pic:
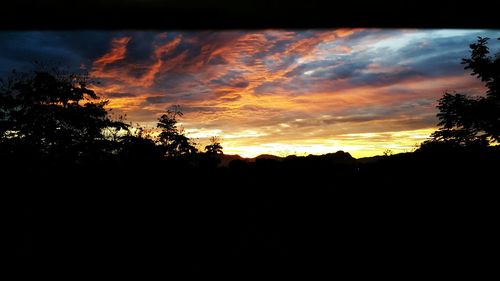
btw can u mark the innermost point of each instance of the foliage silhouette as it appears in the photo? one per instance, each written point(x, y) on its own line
point(472, 121)
point(53, 115)
point(171, 138)
point(214, 147)
point(138, 147)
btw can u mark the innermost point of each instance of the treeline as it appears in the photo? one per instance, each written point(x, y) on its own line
point(52, 120)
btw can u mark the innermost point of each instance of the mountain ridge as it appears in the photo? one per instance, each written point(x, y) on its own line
point(338, 156)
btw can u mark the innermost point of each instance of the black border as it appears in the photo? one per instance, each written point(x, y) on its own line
point(246, 14)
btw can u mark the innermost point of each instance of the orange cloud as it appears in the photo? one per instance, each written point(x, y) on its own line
point(147, 79)
point(117, 53)
point(296, 91)
point(105, 66)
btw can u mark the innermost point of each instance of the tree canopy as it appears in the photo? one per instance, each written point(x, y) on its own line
point(172, 139)
point(55, 117)
point(473, 120)
point(54, 114)
point(214, 147)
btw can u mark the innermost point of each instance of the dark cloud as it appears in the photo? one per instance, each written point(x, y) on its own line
point(68, 49)
point(202, 109)
point(381, 79)
point(173, 80)
point(232, 79)
point(216, 60)
point(141, 47)
point(175, 98)
point(23, 48)
point(267, 87)
point(158, 99)
point(241, 84)
point(342, 70)
point(136, 71)
point(120, 95)
point(423, 121)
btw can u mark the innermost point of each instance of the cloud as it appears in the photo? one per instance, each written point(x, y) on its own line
point(117, 53)
point(158, 99)
point(263, 89)
point(232, 79)
point(201, 109)
point(19, 49)
point(120, 95)
point(230, 98)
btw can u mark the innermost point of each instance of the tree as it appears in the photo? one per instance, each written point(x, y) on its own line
point(388, 152)
point(484, 66)
point(214, 147)
point(466, 120)
point(460, 120)
point(171, 138)
point(54, 115)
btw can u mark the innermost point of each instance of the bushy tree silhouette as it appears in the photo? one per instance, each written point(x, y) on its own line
point(54, 115)
point(172, 139)
point(50, 117)
point(214, 147)
point(472, 121)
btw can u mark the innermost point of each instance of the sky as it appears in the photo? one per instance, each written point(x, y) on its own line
point(275, 92)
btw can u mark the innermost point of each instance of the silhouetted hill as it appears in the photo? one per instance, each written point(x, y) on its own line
point(339, 157)
point(268, 156)
point(370, 159)
point(227, 158)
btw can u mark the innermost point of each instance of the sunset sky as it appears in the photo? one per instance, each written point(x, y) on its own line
point(270, 91)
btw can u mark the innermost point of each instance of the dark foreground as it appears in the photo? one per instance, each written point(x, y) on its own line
point(413, 212)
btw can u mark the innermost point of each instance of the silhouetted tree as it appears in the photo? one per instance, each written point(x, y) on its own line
point(214, 147)
point(484, 66)
point(388, 152)
point(171, 138)
point(54, 115)
point(459, 117)
point(467, 121)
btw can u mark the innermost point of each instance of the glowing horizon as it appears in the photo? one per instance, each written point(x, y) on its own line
point(275, 92)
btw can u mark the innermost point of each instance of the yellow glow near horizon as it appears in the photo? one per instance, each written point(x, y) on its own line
point(358, 145)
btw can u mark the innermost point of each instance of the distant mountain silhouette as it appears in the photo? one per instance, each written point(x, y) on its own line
point(227, 158)
point(339, 157)
point(269, 156)
point(370, 159)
